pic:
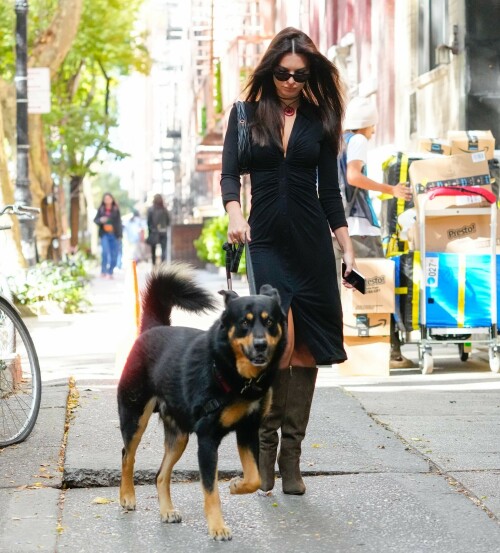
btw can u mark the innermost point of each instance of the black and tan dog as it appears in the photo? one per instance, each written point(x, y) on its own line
point(207, 382)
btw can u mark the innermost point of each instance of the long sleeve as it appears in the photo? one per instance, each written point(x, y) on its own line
point(97, 218)
point(230, 176)
point(328, 188)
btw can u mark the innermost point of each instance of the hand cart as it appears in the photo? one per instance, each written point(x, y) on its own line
point(459, 333)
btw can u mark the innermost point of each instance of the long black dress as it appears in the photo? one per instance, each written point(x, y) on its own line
point(295, 202)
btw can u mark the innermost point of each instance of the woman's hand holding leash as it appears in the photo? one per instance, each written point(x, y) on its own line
point(238, 231)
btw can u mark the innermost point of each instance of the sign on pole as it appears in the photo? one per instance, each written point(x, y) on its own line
point(38, 90)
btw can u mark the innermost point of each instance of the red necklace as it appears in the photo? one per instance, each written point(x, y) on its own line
point(288, 110)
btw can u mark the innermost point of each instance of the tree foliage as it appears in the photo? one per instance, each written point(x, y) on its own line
point(74, 137)
point(107, 182)
point(84, 108)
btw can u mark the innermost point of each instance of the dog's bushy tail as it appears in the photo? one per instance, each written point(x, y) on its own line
point(169, 286)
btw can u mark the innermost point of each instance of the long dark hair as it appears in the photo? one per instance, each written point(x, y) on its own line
point(324, 89)
point(158, 202)
point(114, 204)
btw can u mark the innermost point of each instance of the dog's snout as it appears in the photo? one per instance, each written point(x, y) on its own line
point(260, 344)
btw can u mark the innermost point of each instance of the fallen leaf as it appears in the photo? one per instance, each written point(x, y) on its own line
point(36, 486)
point(102, 501)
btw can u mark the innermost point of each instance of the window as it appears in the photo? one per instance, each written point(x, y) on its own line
point(432, 32)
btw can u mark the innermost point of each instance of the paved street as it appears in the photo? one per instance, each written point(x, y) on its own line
point(408, 463)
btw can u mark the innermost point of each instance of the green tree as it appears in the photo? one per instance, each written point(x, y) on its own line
point(107, 182)
point(53, 25)
point(70, 142)
point(106, 47)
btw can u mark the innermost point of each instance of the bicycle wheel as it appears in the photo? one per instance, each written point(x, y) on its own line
point(20, 380)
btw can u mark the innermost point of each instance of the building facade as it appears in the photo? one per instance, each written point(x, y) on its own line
point(430, 65)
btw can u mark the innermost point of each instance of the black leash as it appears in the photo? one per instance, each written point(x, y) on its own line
point(233, 257)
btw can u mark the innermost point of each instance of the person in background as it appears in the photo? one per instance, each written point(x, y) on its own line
point(109, 221)
point(364, 228)
point(119, 253)
point(294, 108)
point(134, 232)
point(158, 220)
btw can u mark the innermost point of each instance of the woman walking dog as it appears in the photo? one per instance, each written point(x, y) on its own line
point(294, 106)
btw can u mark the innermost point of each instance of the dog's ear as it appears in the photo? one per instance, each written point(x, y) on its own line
point(268, 290)
point(229, 295)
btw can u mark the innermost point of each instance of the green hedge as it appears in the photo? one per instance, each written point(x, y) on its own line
point(64, 284)
point(209, 244)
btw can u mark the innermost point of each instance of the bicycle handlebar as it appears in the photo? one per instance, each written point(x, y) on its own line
point(18, 209)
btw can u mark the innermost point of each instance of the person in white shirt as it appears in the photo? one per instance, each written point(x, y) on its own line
point(364, 228)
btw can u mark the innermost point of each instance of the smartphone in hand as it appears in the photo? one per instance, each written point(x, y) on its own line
point(354, 278)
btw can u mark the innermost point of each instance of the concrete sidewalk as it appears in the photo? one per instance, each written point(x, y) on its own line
point(405, 463)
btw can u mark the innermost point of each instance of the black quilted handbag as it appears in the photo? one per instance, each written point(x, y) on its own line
point(244, 146)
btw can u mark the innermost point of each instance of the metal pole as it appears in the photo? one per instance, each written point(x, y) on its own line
point(22, 192)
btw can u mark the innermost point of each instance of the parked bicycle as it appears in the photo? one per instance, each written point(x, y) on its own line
point(20, 379)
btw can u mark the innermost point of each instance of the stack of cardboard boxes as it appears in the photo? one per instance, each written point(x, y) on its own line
point(460, 142)
point(457, 269)
point(367, 320)
point(456, 232)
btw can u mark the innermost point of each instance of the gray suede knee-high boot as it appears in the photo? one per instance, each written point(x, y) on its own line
point(268, 432)
point(293, 428)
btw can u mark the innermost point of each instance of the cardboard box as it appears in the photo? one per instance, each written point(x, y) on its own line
point(366, 356)
point(461, 199)
point(471, 142)
point(454, 234)
point(379, 296)
point(440, 146)
point(450, 171)
point(367, 324)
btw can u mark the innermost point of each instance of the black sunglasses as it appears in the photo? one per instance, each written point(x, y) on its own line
point(285, 75)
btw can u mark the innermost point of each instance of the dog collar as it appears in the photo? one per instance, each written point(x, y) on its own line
point(220, 379)
point(250, 385)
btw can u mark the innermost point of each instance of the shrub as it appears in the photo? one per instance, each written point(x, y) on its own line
point(209, 244)
point(64, 284)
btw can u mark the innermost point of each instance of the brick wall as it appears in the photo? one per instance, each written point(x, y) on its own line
point(182, 244)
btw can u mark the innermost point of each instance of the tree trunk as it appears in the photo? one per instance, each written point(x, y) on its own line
point(75, 188)
point(50, 51)
point(7, 197)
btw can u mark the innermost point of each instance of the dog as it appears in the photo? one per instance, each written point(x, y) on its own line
point(205, 382)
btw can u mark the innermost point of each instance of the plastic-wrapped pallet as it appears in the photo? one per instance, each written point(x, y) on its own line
point(458, 289)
